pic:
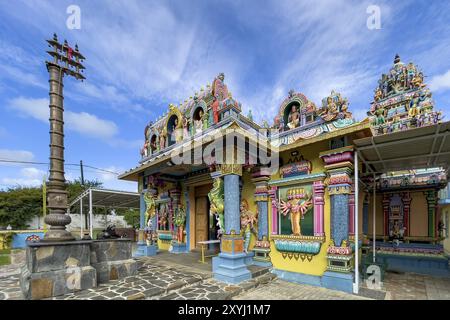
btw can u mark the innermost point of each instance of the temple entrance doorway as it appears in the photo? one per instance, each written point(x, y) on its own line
point(205, 222)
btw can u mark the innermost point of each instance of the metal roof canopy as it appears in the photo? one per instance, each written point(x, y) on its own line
point(106, 198)
point(417, 148)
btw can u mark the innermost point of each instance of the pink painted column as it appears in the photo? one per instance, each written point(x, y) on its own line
point(351, 210)
point(274, 201)
point(318, 201)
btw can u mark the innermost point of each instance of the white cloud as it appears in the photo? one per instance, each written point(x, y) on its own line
point(35, 108)
point(82, 122)
point(32, 173)
point(17, 155)
point(109, 176)
point(440, 82)
point(90, 125)
point(9, 73)
point(26, 177)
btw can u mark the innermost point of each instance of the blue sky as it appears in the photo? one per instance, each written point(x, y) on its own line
point(143, 55)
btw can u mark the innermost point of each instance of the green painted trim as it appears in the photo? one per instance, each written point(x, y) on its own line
point(296, 179)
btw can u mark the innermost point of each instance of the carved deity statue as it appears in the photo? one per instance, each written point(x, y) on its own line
point(298, 202)
point(150, 211)
point(199, 122)
point(216, 199)
point(378, 94)
point(417, 80)
point(144, 150)
point(220, 93)
point(177, 131)
point(162, 139)
point(414, 108)
point(249, 222)
point(294, 118)
point(179, 221)
point(185, 123)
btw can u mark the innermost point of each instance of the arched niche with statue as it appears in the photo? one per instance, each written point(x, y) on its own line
point(296, 111)
point(174, 125)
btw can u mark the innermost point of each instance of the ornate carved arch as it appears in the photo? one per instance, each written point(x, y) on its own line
point(200, 104)
point(294, 97)
point(173, 110)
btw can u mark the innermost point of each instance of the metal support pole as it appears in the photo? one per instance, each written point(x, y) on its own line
point(91, 215)
point(374, 217)
point(81, 218)
point(356, 286)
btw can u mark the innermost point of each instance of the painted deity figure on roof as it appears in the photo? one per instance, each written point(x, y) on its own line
point(220, 93)
point(294, 118)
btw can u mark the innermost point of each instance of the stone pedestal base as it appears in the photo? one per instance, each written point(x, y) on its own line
point(143, 250)
point(178, 247)
point(231, 268)
point(57, 268)
point(338, 281)
point(114, 270)
point(111, 259)
point(262, 257)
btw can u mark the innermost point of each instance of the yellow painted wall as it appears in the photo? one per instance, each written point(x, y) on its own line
point(419, 215)
point(163, 245)
point(317, 266)
point(378, 216)
point(248, 191)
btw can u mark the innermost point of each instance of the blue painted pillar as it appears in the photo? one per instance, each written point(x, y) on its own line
point(142, 207)
point(229, 266)
point(263, 224)
point(232, 210)
point(339, 166)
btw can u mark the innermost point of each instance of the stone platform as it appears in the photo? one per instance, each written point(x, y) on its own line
point(112, 259)
point(57, 268)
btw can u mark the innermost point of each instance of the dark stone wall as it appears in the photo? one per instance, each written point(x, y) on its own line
point(339, 218)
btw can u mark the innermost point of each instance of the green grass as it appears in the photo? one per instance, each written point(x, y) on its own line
point(5, 259)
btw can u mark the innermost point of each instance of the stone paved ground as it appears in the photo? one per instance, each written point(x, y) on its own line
point(283, 290)
point(9, 277)
point(410, 286)
point(168, 279)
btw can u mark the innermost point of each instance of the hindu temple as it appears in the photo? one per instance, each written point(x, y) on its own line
point(316, 196)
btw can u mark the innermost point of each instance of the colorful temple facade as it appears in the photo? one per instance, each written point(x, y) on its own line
point(286, 196)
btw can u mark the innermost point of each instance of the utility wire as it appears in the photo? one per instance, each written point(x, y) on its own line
point(68, 164)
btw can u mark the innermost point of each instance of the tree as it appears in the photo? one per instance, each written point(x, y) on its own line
point(132, 217)
point(19, 205)
point(75, 188)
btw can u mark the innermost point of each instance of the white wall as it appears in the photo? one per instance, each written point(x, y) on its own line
point(100, 221)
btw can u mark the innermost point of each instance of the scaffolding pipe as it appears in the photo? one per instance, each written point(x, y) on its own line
point(374, 196)
point(81, 218)
point(90, 215)
point(356, 285)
